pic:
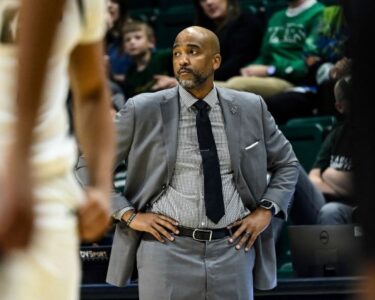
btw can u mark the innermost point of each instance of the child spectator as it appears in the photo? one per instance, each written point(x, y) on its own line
point(119, 61)
point(150, 69)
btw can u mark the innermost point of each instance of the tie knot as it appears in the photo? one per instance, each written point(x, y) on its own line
point(201, 105)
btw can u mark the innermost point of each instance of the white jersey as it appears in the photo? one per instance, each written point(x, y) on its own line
point(54, 152)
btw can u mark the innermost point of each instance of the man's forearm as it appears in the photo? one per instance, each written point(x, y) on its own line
point(93, 123)
point(95, 133)
point(38, 24)
point(316, 178)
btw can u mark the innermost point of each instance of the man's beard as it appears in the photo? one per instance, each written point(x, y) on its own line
point(198, 79)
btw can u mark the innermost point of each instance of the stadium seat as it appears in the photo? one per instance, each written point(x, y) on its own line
point(306, 141)
point(327, 122)
point(171, 21)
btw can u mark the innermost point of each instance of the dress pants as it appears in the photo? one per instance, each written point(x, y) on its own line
point(186, 269)
point(263, 86)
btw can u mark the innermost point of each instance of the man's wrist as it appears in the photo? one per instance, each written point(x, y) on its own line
point(269, 205)
point(131, 218)
point(126, 216)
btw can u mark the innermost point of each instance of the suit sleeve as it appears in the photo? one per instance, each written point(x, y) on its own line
point(281, 163)
point(124, 122)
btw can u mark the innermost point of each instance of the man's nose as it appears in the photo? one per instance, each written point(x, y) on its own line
point(184, 60)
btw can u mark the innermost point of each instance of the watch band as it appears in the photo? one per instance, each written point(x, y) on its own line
point(268, 205)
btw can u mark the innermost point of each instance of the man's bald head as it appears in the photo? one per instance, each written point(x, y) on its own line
point(196, 57)
point(202, 35)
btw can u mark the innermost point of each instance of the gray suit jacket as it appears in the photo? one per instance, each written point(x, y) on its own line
point(147, 138)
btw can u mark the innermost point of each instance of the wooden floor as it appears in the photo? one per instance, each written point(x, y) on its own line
point(322, 288)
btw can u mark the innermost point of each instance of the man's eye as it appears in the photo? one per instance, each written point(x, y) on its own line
point(176, 54)
point(193, 51)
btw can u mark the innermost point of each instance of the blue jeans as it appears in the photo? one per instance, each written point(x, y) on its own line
point(335, 213)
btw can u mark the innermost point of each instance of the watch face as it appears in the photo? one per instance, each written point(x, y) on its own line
point(266, 204)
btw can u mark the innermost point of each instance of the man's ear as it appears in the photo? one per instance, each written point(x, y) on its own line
point(216, 61)
point(339, 107)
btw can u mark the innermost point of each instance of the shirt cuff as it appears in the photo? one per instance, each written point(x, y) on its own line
point(118, 214)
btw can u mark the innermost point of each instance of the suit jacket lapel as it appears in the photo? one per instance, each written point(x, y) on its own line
point(170, 114)
point(232, 119)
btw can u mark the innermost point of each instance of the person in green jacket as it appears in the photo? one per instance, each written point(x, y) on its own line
point(281, 63)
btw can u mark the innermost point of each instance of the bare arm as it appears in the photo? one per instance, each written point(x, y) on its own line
point(38, 23)
point(340, 181)
point(315, 176)
point(95, 132)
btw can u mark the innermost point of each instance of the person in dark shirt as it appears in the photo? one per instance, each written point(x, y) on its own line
point(118, 60)
point(240, 33)
point(333, 170)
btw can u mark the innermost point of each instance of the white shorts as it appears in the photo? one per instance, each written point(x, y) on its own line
point(50, 267)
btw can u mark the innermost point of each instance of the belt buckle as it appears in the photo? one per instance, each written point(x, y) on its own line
point(202, 230)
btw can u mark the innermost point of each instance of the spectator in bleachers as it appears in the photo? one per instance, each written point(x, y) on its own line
point(119, 61)
point(150, 69)
point(332, 36)
point(333, 170)
point(281, 63)
point(239, 33)
point(327, 62)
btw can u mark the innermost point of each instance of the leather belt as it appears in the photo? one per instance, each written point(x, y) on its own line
point(204, 235)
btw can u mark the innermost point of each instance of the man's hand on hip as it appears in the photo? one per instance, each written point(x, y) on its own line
point(157, 225)
point(250, 227)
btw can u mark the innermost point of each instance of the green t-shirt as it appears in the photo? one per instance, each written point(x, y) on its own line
point(137, 82)
point(287, 40)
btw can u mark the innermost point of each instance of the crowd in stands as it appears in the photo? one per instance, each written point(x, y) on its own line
point(299, 62)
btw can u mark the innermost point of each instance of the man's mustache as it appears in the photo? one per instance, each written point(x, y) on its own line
point(184, 70)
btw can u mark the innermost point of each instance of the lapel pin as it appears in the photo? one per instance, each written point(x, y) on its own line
point(233, 109)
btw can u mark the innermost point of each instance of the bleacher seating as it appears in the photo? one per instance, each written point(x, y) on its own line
point(168, 17)
point(170, 21)
point(306, 141)
point(307, 135)
point(326, 122)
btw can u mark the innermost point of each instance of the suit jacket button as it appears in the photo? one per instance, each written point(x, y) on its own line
point(164, 186)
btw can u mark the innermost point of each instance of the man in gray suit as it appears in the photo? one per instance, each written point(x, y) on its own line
point(163, 218)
